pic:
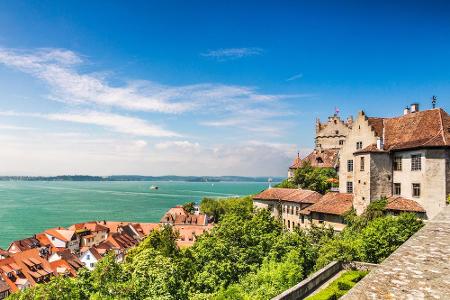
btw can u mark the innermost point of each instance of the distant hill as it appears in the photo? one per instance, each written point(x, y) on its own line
point(142, 178)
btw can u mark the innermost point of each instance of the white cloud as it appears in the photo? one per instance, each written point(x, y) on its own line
point(232, 53)
point(183, 145)
point(59, 69)
point(38, 153)
point(114, 122)
point(294, 77)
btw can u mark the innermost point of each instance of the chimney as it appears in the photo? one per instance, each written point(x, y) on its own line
point(414, 107)
point(350, 121)
point(406, 111)
point(380, 145)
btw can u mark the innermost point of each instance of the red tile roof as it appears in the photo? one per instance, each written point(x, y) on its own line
point(428, 128)
point(91, 226)
point(332, 203)
point(377, 125)
point(397, 203)
point(61, 233)
point(290, 195)
point(372, 148)
point(324, 158)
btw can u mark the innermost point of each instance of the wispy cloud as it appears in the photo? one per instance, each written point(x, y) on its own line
point(183, 145)
point(295, 77)
point(60, 70)
point(232, 53)
point(113, 122)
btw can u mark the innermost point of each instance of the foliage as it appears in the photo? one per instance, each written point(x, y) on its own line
point(369, 240)
point(247, 255)
point(287, 184)
point(217, 207)
point(271, 279)
point(189, 207)
point(310, 178)
point(340, 286)
point(233, 248)
point(163, 240)
point(375, 209)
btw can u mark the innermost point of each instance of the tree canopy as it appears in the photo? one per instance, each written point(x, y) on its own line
point(247, 255)
point(311, 178)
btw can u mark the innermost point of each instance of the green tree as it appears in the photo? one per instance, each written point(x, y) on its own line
point(236, 246)
point(217, 207)
point(189, 207)
point(311, 178)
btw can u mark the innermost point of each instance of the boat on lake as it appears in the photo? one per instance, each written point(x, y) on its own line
point(154, 187)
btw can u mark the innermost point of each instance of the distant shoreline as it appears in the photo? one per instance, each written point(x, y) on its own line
point(141, 178)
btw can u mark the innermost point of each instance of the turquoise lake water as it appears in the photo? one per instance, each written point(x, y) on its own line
point(28, 207)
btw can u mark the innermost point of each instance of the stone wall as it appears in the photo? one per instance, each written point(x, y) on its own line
point(329, 134)
point(433, 178)
point(380, 176)
point(310, 284)
point(361, 132)
point(418, 269)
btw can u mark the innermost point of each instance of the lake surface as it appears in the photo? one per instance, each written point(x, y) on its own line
point(28, 207)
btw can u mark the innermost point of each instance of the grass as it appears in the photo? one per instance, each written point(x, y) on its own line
point(340, 286)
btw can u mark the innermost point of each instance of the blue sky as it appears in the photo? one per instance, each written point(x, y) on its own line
point(204, 87)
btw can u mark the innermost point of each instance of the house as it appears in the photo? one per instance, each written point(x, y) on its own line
point(90, 233)
point(121, 243)
point(405, 156)
point(286, 203)
point(63, 238)
point(328, 211)
point(64, 262)
point(330, 137)
point(4, 289)
point(187, 234)
point(90, 258)
point(24, 269)
point(24, 244)
point(179, 216)
point(4, 254)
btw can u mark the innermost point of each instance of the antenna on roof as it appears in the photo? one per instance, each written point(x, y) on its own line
point(433, 101)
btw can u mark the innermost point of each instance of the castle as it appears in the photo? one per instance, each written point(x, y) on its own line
point(405, 159)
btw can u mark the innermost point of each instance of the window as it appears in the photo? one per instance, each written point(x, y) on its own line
point(397, 189)
point(289, 224)
point(88, 257)
point(303, 219)
point(416, 162)
point(362, 164)
point(337, 131)
point(341, 142)
point(358, 145)
point(350, 165)
point(397, 163)
point(92, 265)
point(416, 189)
point(349, 187)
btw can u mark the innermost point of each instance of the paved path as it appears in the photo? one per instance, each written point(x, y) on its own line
point(419, 269)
